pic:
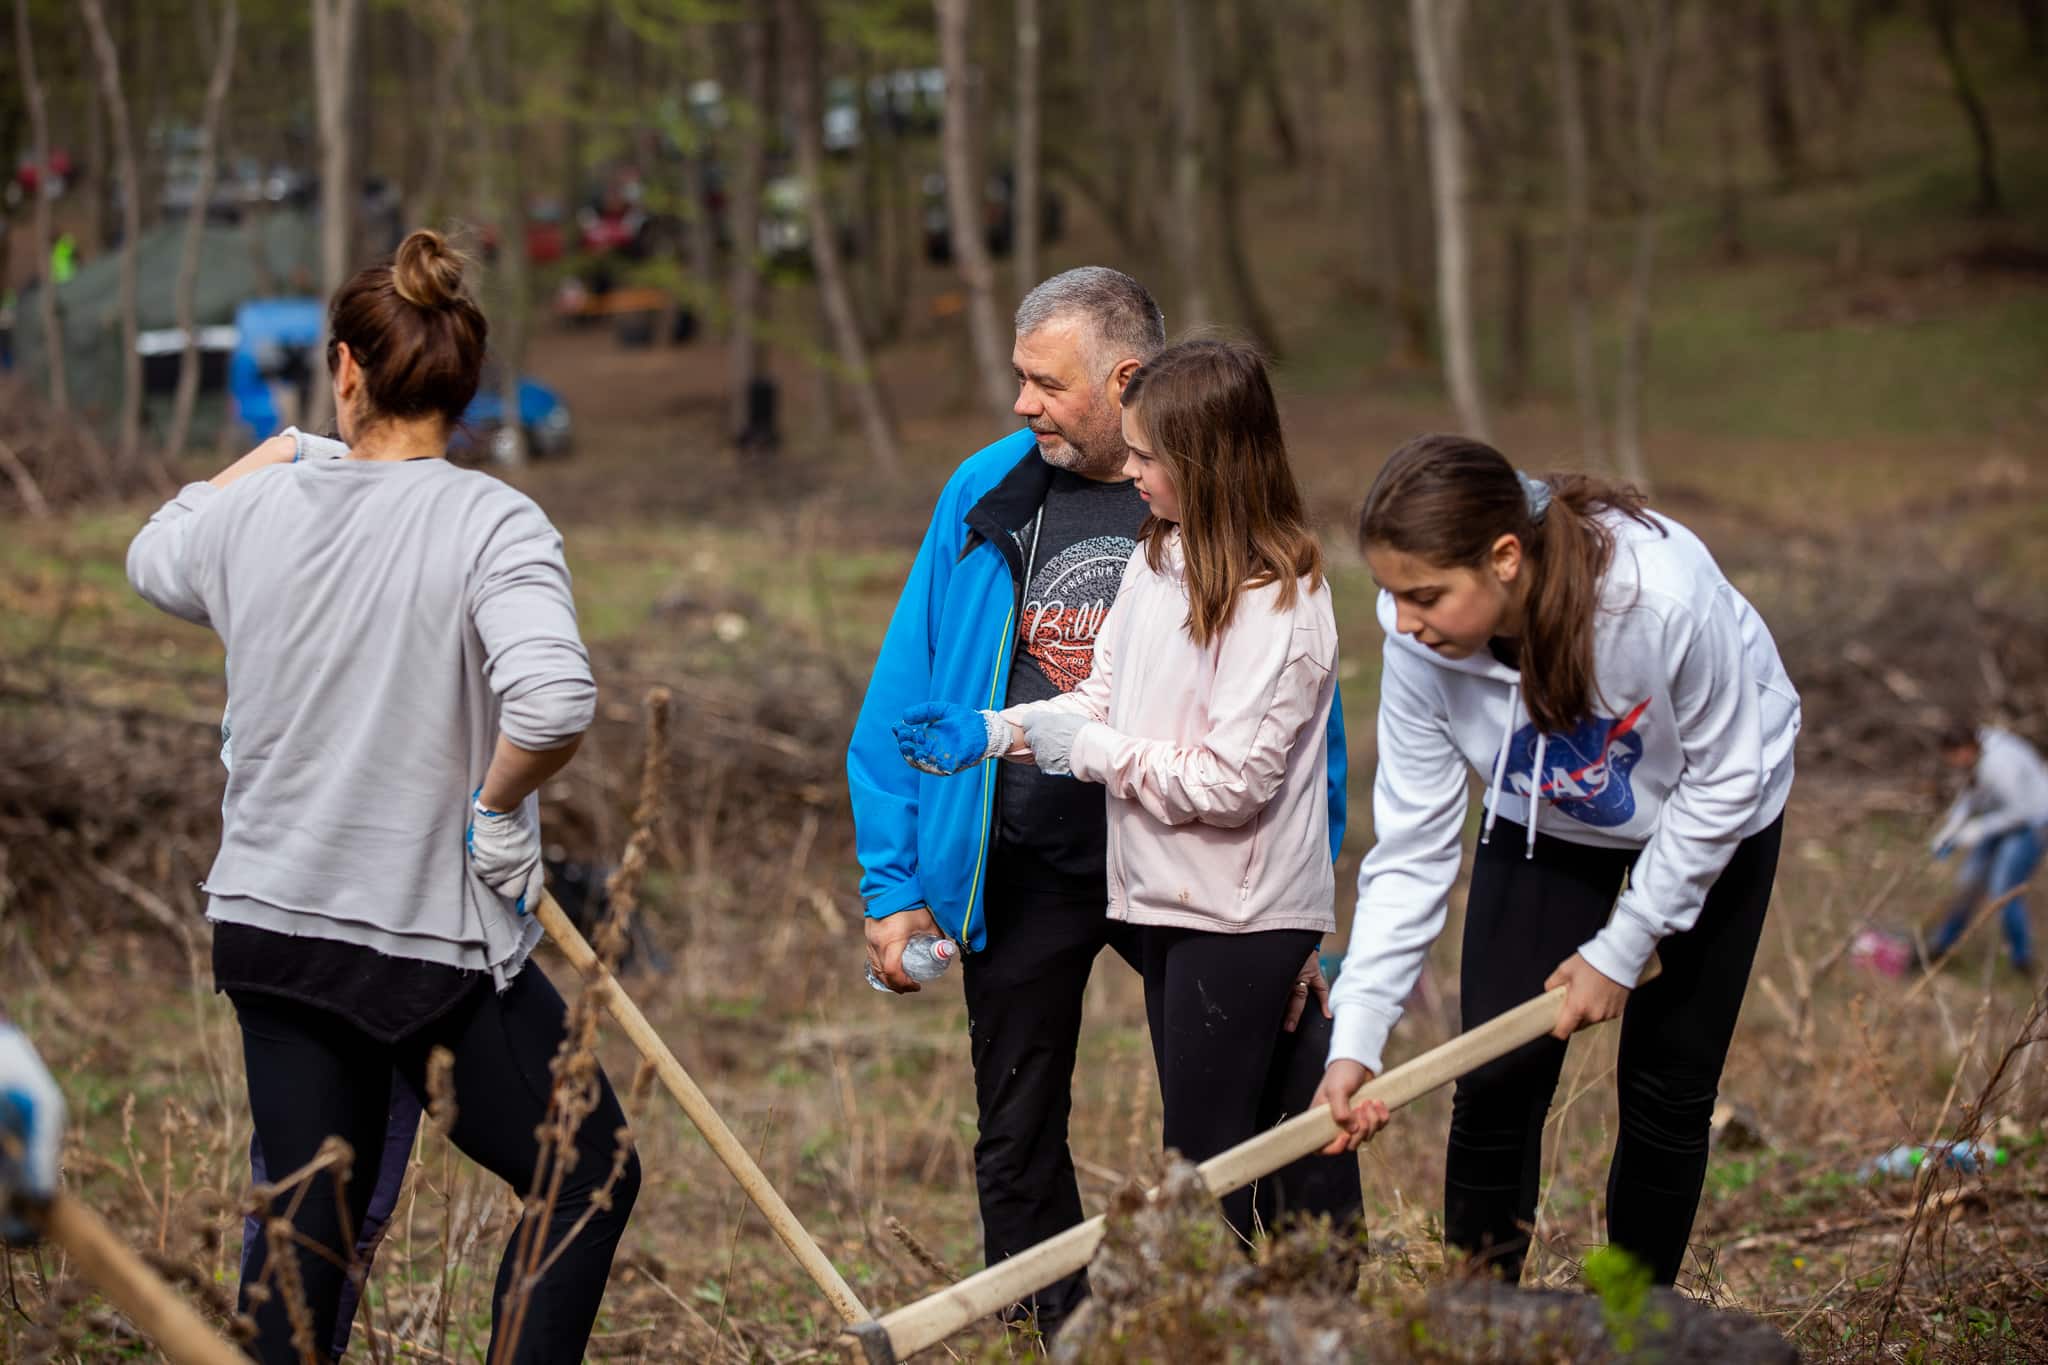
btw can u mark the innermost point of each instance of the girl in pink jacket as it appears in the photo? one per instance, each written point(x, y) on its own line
point(1204, 720)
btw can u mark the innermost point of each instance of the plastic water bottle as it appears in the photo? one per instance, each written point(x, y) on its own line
point(1967, 1157)
point(925, 958)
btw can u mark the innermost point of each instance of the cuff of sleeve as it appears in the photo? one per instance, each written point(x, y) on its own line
point(1621, 950)
point(550, 714)
point(1359, 1034)
point(905, 895)
point(1091, 756)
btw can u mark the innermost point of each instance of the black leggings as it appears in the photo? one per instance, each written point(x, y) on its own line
point(1227, 1070)
point(312, 1074)
point(1523, 918)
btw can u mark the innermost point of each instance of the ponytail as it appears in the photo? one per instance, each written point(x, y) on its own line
point(1447, 499)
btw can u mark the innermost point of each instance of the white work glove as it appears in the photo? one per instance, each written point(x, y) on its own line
point(1051, 737)
point(307, 446)
point(504, 850)
point(31, 1133)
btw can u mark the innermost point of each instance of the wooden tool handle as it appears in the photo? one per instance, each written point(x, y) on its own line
point(131, 1286)
point(934, 1318)
point(697, 1106)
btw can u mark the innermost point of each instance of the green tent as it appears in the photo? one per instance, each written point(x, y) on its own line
point(277, 254)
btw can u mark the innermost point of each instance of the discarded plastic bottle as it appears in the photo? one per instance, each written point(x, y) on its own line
point(925, 958)
point(1966, 1157)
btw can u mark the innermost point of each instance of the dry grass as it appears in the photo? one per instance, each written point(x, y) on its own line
point(756, 594)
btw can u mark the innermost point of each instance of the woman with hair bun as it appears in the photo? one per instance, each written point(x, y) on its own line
point(404, 671)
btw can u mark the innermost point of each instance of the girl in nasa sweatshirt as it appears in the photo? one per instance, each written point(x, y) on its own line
point(1628, 713)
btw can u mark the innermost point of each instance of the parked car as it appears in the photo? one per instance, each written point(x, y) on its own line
point(998, 222)
point(272, 370)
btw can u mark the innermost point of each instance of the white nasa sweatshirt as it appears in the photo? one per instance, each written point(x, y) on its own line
point(1688, 751)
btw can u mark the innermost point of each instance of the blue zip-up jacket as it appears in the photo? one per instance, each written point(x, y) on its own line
point(925, 840)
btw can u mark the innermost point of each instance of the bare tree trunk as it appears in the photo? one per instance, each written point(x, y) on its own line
point(1782, 133)
point(335, 27)
point(39, 133)
point(1729, 240)
point(1024, 203)
point(1439, 26)
point(1233, 77)
point(1578, 208)
point(108, 65)
point(798, 22)
point(964, 198)
point(195, 228)
point(452, 28)
point(750, 159)
point(1649, 26)
point(1401, 259)
point(504, 129)
point(1184, 223)
point(1990, 200)
point(2034, 23)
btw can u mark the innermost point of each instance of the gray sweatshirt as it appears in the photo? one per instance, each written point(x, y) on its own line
point(383, 623)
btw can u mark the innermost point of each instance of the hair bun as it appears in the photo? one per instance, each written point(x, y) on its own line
point(426, 271)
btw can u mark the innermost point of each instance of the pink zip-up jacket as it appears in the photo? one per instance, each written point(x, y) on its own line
point(1213, 758)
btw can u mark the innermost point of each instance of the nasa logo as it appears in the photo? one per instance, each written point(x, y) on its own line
point(1585, 770)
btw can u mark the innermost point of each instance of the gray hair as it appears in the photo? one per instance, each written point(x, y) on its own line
point(1121, 314)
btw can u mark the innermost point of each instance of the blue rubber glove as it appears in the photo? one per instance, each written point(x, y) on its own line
point(1051, 737)
point(1943, 849)
point(31, 1134)
point(944, 737)
point(504, 850)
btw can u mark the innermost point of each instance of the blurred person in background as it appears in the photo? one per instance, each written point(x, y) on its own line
point(1998, 822)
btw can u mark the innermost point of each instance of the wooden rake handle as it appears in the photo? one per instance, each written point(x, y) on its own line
point(697, 1107)
point(131, 1286)
point(932, 1319)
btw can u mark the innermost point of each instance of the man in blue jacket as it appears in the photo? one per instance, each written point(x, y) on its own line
point(1021, 562)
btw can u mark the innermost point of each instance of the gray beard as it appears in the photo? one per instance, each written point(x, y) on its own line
point(1105, 466)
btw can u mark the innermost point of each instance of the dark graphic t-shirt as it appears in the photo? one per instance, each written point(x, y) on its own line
point(1081, 545)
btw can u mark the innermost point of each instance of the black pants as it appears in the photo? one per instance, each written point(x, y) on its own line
point(1227, 1069)
point(1524, 917)
point(312, 1074)
point(1024, 995)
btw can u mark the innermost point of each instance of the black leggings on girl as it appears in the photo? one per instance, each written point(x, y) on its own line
point(1227, 1070)
point(1523, 918)
point(312, 1074)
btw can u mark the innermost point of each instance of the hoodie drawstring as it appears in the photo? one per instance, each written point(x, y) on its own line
point(1500, 762)
point(1500, 768)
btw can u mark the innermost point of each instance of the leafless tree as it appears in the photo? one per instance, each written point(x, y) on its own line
point(337, 26)
point(1990, 198)
point(501, 166)
point(1578, 201)
point(107, 65)
point(1184, 221)
point(1024, 203)
point(749, 162)
point(1438, 30)
point(964, 195)
point(798, 22)
point(1235, 73)
point(1649, 28)
point(39, 135)
point(1782, 133)
point(195, 224)
point(1401, 256)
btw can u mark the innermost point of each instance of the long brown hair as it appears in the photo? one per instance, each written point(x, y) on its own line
point(1447, 499)
point(1208, 410)
point(415, 332)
